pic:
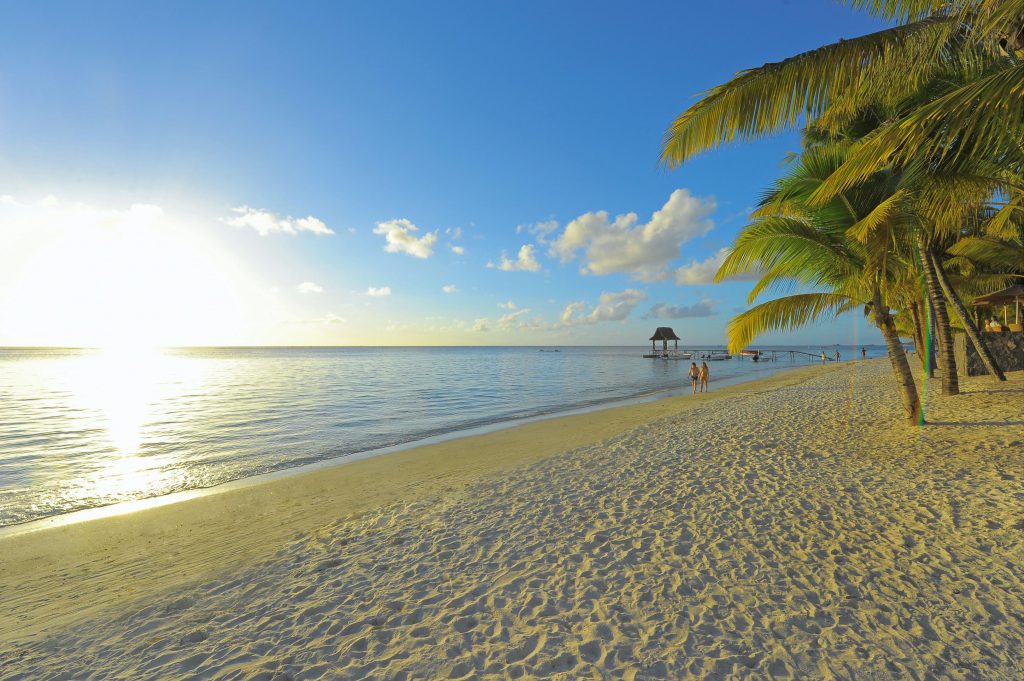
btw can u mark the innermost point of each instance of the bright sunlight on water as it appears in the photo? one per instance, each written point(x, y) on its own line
point(87, 428)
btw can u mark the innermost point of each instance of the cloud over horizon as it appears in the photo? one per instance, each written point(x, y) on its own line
point(308, 287)
point(643, 251)
point(610, 307)
point(399, 235)
point(266, 222)
point(525, 261)
point(705, 308)
point(381, 292)
point(703, 271)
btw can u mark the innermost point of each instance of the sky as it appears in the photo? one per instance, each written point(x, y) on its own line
point(379, 173)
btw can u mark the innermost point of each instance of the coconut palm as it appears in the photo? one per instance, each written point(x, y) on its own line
point(834, 82)
point(841, 255)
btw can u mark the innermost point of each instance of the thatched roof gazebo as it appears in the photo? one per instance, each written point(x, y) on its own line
point(1014, 295)
point(664, 334)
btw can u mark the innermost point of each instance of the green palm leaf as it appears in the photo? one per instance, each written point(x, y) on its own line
point(783, 314)
point(762, 101)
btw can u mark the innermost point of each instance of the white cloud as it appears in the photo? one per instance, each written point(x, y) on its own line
point(703, 271)
point(266, 222)
point(457, 250)
point(454, 232)
point(705, 308)
point(541, 230)
point(506, 321)
point(507, 305)
point(524, 262)
point(642, 250)
point(617, 306)
point(309, 287)
point(569, 314)
point(480, 325)
point(400, 239)
point(610, 307)
point(450, 288)
point(381, 292)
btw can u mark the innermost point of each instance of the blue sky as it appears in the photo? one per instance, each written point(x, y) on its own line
point(227, 125)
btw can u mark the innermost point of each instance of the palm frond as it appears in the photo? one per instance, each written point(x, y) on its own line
point(882, 212)
point(784, 314)
point(764, 100)
point(977, 119)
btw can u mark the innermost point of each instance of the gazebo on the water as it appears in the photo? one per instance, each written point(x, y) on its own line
point(664, 334)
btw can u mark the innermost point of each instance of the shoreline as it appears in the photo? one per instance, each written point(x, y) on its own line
point(189, 534)
point(793, 527)
point(136, 505)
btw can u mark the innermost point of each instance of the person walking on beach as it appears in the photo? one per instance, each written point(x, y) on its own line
point(823, 358)
point(837, 355)
point(863, 353)
point(694, 375)
point(704, 376)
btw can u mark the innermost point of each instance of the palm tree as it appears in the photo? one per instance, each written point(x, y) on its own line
point(851, 252)
point(830, 84)
point(961, 61)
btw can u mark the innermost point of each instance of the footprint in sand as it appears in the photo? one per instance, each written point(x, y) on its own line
point(524, 650)
point(197, 636)
point(591, 652)
point(465, 624)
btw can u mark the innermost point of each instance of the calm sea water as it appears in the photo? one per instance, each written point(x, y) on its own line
point(87, 428)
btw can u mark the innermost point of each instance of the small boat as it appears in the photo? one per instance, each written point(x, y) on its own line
point(553, 350)
point(715, 356)
point(754, 355)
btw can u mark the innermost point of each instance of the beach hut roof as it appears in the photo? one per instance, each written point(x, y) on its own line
point(1007, 295)
point(664, 333)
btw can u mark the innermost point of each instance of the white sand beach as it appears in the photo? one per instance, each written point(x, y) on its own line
point(792, 528)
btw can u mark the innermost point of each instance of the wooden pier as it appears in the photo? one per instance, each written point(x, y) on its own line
point(774, 355)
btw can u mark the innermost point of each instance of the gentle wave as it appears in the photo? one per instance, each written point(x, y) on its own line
point(85, 428)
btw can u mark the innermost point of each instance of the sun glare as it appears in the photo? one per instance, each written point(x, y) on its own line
point(119, 279)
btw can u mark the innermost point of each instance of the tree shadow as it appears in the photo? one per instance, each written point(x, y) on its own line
point(992, 392)
point(976, 423)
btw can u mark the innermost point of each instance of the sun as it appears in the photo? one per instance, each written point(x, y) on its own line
point(123, 279)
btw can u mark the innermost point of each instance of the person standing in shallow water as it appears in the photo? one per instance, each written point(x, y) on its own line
point(694, 375)
point(704, 376)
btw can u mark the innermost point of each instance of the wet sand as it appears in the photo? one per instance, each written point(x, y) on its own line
point(788, 528)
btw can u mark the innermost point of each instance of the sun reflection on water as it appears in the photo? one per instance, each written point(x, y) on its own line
point(127, 391)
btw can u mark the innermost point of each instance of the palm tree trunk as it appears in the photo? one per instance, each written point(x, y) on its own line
point(930, 325)
point(950, 383)
point(966, 320)
point(919, 344)
point(898, 359)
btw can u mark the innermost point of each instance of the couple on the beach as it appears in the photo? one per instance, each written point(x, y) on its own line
point(700, 375)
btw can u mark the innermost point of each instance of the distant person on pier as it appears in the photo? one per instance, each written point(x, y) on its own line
point(704, 376)
point(694, 376)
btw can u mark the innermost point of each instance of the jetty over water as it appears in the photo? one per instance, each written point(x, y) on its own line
point(774, 355)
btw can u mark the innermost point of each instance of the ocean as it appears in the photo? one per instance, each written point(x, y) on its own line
point(82, 428)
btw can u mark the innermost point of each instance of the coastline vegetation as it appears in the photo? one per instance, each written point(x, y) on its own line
point(907, 197)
